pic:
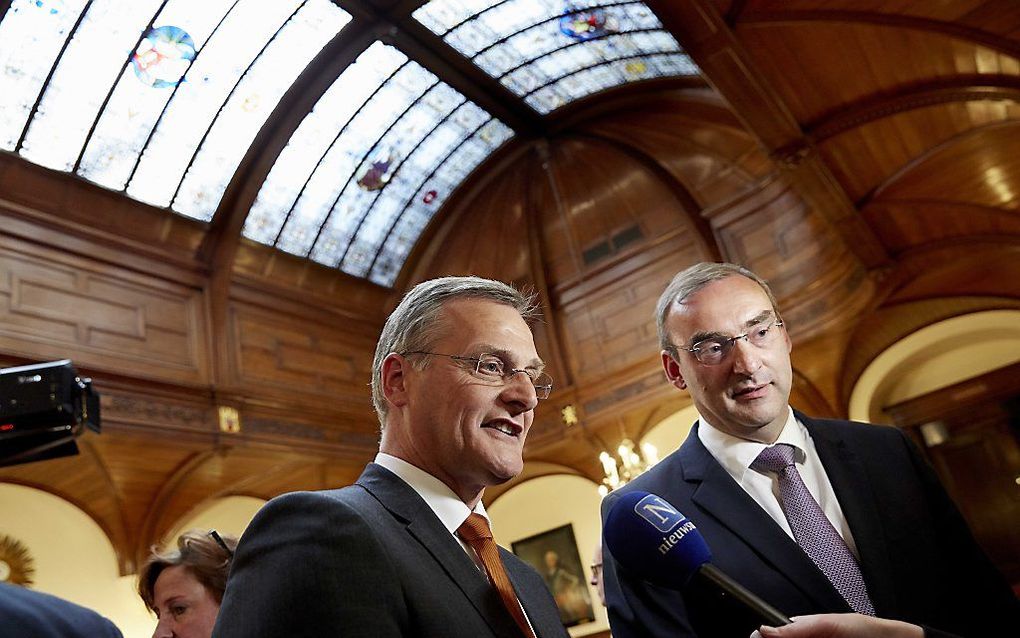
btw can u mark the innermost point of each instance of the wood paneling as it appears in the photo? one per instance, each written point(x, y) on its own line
point(53, 306)
point(868, 155)
point(284, 355)
point(851, 61)
point(981, 168)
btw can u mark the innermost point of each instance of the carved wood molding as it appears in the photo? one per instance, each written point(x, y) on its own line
point(879, 191)
point(879, 330)
point(964, 88)
point(1005, 45)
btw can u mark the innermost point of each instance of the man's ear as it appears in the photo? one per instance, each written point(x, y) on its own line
point(672, 369)
point(394, 379)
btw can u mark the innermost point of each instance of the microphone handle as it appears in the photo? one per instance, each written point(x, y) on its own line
point(769, 614)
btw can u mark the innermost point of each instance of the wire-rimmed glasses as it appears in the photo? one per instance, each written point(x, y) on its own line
point(494, 370)
point(714, 350)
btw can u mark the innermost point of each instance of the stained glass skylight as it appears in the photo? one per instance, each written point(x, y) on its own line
point(370, 165)
point(161, 99)
point(158, 98)
point(552, 52)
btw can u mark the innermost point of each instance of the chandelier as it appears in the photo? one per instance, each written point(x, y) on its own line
point(627, 465)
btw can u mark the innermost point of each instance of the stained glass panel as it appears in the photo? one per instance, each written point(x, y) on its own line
point(163, 98)
point(84, 73)
point(31, 35)
point(144, 90)
point(251, 102)
point(530, 45)
point(379, 138)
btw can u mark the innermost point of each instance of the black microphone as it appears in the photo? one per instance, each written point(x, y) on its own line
point(655, 542)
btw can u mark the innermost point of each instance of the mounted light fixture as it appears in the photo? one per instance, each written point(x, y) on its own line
point(627, 465)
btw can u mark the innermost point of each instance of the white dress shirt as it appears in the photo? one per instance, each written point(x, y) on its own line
point(736, 456)
point(448, 507)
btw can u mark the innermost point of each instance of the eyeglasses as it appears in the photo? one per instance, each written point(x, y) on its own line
point(714, 350)
point(495, 371)
point(219, 541)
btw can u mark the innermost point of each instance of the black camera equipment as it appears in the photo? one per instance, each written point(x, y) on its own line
point(43, 408)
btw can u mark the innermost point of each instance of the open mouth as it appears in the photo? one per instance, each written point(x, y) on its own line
point(508, 428)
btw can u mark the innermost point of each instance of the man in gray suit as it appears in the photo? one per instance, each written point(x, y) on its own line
point(406, 550)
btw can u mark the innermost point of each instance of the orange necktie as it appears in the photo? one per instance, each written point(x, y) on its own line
point(475, 532)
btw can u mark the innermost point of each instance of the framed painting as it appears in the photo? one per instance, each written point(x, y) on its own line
point(554, 555)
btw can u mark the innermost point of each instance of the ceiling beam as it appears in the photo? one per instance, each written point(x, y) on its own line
point(219, 248)
point(714, 47)
point(951, 29)
point(963, 88)
point(411, 37)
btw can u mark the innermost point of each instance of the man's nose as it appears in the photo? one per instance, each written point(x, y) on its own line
point(520, 389)
point(746, 356)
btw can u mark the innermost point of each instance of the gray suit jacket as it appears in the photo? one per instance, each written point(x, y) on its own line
point(368, 560)
point(918, 558)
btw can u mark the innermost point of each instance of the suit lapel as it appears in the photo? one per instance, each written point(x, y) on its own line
point(854, 491)
point(719, 496)
point(424, 527)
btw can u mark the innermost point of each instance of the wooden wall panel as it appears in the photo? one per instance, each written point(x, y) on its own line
point(613, 328)
point(714, 162)
point(53, 306)
point(299, 360)
point(65, 202)
point(808, 265)
point(982, 167)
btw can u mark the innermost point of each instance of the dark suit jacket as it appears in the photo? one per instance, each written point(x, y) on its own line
point(368, 560)
point(30, 614)
point(918, 559)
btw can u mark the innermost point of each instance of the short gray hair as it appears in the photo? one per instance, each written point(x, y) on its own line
point(691, 280)
point(415, 323)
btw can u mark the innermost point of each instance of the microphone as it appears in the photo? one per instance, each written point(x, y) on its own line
point(655, 542)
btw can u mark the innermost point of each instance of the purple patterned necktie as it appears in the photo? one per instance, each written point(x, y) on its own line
point(813, 531)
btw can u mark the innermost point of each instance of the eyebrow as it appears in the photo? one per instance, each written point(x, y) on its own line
point(753, 321)
point(506, 355)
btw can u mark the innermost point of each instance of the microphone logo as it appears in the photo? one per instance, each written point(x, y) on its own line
point(658, 513)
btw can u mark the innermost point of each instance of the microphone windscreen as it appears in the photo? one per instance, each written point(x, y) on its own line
point(652, 540)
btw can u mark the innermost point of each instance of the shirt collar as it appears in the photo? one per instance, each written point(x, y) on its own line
point(450, 510)
point(736, 454)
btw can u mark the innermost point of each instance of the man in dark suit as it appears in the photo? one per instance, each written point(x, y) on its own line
point(30, 614)
point(814, 516)
point(406, 551)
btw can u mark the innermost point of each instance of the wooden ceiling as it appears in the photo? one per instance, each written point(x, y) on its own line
point(863, 156)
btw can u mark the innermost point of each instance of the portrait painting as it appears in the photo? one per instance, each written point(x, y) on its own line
point(554, 555)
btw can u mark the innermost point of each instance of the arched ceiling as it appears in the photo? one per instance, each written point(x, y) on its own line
point(861, 155)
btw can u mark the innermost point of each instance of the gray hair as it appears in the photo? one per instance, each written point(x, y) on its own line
point(415, 323)
point(691, 280)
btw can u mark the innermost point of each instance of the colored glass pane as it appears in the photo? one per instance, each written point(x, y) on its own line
point(532, 45)
point(362, 162)
point(31, 36)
